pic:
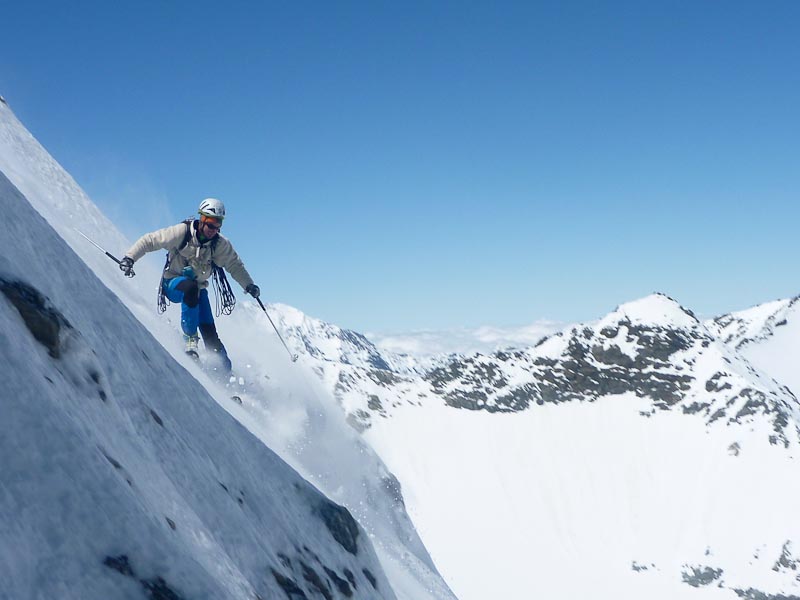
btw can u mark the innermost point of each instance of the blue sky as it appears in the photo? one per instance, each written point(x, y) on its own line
point(398, 166)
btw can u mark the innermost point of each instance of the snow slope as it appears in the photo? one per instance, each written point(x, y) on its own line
point(284, 407)
point(121, 474)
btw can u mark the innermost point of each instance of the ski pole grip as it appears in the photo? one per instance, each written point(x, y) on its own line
point(119, 262)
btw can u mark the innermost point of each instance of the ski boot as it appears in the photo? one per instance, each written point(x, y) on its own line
point(190, 345)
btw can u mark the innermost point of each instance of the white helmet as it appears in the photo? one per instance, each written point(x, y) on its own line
point(211, 207)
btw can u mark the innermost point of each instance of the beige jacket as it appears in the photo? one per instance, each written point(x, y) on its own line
point(198, 256)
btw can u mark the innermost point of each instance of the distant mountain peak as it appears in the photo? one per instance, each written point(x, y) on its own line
point(656, 309)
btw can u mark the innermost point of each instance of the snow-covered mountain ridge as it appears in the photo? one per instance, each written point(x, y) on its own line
point(652, 347)
point(754, 324)
point(768, 336)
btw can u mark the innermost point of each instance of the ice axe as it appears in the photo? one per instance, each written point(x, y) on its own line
point(280, 337)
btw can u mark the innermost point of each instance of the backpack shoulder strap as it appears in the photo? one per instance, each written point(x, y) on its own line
point(188, 235)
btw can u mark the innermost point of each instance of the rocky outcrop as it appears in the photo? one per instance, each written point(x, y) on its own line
point(45, 323)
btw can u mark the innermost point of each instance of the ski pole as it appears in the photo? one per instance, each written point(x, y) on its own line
point(103, 250)
point(280, 337)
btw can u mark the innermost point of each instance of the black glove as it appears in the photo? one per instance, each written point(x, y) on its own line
point(253, 290)
point(126, 266)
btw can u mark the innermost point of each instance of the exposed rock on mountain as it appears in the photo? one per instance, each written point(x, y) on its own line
point(653, 348)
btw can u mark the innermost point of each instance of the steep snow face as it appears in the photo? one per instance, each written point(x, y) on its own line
point(284, 405)
point(121, 476)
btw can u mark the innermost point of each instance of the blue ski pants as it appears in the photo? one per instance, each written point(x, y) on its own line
point(196, 314)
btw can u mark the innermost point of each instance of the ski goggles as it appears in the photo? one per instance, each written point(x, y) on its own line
point(213, 224)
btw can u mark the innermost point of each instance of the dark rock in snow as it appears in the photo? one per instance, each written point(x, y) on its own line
point(351, 578)
point(120, 564)
point(315, 581)
point(375, 403)
point(786, 562)
point(640, 567)
point(370, 577)
point(715, 384)
point(341, 584)
point(115, 463)
point(753, 594)
point(341, 524)
point(156, 418)
point(289, 586)
point(701, 576)
point(156, 588)
point(43, 321)
point(159, 590)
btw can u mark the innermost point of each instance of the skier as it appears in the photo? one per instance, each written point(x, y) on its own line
point(195, 247)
